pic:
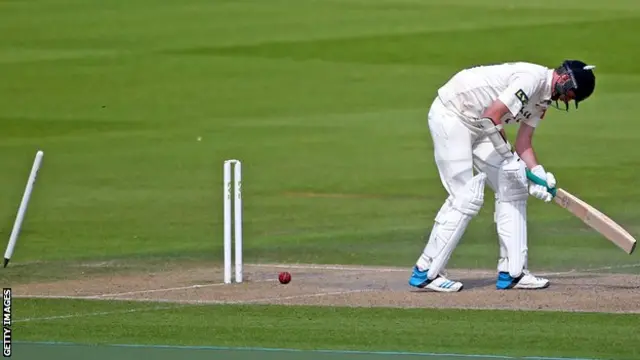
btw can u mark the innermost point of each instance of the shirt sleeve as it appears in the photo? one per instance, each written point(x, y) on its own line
point(517, 94)
point(535, 118)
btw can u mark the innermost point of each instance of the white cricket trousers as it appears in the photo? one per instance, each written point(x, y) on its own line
point(458, 151)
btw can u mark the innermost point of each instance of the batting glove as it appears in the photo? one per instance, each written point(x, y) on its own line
point(539, 191)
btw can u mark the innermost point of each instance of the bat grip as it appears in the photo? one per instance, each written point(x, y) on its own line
point(536, 180)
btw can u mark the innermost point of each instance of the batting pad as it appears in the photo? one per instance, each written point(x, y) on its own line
point(511, 221)
point(451, 224)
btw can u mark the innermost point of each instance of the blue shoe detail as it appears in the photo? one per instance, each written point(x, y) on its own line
point(506, 281)
point(419, 278)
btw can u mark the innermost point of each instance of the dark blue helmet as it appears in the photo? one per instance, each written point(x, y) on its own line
point(581, 80)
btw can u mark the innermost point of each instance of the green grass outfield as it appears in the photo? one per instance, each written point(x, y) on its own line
point(325, 103)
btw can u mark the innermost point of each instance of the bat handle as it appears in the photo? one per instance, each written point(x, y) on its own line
point(536, 180)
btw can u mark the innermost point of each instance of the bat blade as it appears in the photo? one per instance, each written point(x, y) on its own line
point(596, 220)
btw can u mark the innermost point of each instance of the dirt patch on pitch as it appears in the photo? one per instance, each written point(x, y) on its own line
point(350, 286)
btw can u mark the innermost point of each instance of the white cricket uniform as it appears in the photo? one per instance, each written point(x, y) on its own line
point(460, 146)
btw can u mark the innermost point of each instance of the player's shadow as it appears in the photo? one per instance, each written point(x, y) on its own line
point(470, 284)
point(478, 283)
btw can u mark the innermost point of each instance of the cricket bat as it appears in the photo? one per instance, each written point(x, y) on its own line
point(590, 216)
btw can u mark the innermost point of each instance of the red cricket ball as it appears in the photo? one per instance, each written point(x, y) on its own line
point(284, 277)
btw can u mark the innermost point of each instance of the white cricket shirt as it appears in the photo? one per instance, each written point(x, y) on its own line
point(525, 88)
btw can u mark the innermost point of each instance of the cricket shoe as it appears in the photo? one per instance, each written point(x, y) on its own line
point(441, 284)
point(524, 281)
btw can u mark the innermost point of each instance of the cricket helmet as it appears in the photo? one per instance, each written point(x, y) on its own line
point(581, 80)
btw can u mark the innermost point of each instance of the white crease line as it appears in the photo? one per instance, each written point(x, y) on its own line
point(60, 317)
point(328, 267)
point(62, 297)
point(100, 296)
point(577, 271)
point(309, 295)
point(152, 291)
point(77, 297)
point(169, 289)
point(613, 267)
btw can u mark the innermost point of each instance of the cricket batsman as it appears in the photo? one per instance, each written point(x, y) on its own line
point(466, 123)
